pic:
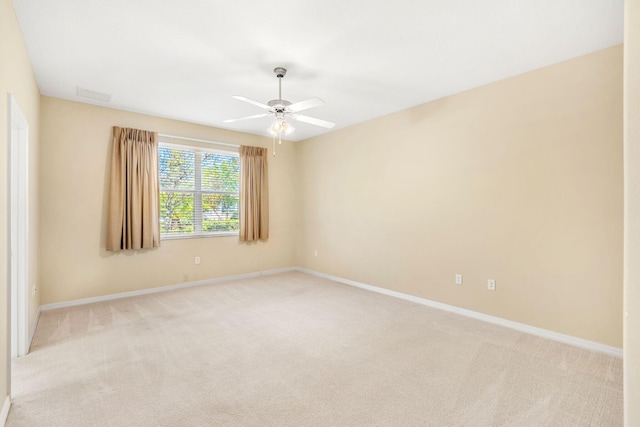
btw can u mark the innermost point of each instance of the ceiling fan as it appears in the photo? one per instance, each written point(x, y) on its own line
point(282, 109)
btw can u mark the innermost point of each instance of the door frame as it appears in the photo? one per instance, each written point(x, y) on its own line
point(18, 259)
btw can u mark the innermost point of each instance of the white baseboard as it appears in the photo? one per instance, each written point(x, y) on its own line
point(5, 411)
point(533, 330)
point(544, 333)
point(33, 330)
point(83, 301)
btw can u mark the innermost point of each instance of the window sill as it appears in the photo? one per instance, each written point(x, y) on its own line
point(198, 236)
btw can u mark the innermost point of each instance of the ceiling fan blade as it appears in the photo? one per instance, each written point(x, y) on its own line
point(255, 116)
point(251, 101)
point(305, 105)
point(313, 121)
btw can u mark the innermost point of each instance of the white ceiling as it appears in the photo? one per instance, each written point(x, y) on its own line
point(365, 59)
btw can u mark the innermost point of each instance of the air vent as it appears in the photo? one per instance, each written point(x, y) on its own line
point(91, 94)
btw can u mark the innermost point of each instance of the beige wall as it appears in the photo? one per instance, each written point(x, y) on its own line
point(518, 181)
point(16, 77)
point(632, 213)
point(75, 148)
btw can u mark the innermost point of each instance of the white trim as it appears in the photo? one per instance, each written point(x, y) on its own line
point(198, 236)
point(83, 301)
point(18, 244)
point(544, 333)
point(5, 410)
point(33, 330)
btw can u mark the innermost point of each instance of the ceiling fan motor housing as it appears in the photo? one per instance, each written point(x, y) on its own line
point(279, 105)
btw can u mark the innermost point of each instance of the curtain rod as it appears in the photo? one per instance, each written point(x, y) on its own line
point(197, 140)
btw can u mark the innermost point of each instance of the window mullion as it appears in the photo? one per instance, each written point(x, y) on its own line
point(197, 197)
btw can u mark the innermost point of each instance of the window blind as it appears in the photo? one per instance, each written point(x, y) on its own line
point(198, 191)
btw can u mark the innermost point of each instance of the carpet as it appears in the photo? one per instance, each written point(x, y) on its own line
point(296, 350)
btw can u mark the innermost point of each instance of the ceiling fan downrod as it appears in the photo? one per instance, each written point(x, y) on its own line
point(280, 73)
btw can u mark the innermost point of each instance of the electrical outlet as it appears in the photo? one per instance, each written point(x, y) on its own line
point(491, 285)
point(458, 279)
point(197, 260)
point(315, 252)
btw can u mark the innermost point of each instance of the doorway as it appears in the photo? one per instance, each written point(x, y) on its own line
point(18, 229)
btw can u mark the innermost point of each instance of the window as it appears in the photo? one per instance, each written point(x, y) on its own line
point(198, 191)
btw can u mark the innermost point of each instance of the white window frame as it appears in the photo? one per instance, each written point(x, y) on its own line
point(198, 191)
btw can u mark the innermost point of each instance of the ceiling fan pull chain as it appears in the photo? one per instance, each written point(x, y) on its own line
point(274, 145)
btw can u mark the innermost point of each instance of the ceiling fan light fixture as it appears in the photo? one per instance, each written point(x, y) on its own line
point(287, 128)
point(277, 126)
point(283, 109)
point(280, 126)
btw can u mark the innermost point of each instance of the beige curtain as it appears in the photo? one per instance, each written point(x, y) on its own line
point(254, 194)
point(134, 199)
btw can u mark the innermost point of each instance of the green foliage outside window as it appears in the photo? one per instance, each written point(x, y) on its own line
point(198, 191)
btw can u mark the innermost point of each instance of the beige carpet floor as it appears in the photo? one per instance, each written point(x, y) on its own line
point(297, 350)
